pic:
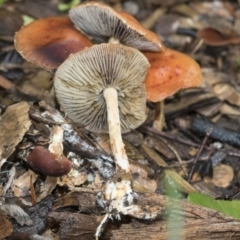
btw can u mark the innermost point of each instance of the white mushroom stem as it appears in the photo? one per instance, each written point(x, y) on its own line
point(111, 97)
point(113, 40)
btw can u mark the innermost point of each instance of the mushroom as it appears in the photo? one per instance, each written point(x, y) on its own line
point(102, 87)
point(170, 72)
point(213, 37)
point(43, 161)
point(51, 161)
point(105, 24)
point(48, 42)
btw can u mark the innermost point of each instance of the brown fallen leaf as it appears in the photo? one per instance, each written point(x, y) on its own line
point(48, 186)
point(22, 185)
point(14, 124)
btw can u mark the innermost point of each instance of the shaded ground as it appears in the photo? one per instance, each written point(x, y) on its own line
point(197, 151)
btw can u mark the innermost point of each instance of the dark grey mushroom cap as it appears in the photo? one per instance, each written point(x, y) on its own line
point(102, 22)
point(81, 79)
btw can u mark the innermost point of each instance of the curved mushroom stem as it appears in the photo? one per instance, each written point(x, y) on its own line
point(111, 97)
point(159, 121)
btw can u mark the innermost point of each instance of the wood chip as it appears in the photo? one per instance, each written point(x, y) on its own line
point(5, 226)
point(17, 213)
point(227, 92)
point(222, 175)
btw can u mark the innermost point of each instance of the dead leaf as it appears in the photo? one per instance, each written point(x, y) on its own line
point(15, 122)
point(48, 186)
point(22, 185)
point(17, 213)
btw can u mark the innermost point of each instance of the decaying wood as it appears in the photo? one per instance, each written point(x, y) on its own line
point(37, 214)
point(173, 218)
point(194, 222)
point(76, 226)
point(85, 201)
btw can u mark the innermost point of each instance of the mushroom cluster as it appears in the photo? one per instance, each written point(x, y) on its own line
point(105, 87)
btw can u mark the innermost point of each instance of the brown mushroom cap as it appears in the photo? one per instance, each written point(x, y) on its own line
point(81, 80)
point(213, 37)
point(102, 22)
point(48, 42)
point(170, 71)
point(43, 161)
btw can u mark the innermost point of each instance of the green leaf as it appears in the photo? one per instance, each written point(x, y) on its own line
point(2, 1)
point(27, 19)
point(230, 208)
point(238, 62)
point(66, 6)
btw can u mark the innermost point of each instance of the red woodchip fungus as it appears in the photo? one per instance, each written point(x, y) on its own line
point(51, 161)
point(170, 72)
point(102, 87)
point(105, 24)
point(48, 42)
point(43, 161)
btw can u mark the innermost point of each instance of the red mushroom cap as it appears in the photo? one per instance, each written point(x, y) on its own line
point(103, 22)
point(43, 161)
point(48, 42)
point(170, 71)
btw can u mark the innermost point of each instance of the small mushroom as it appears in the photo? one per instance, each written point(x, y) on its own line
point(43, 161)
point(105, 24)
point(48, 42)
point(102, 87)
point(213, 37)
point(51, 161)
point(170, 72)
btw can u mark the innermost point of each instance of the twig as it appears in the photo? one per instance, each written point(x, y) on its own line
point(153, 132)
point(7, 38)
point(177, 156)
point(6, 84)
point(157, 134)
point(199, 152)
